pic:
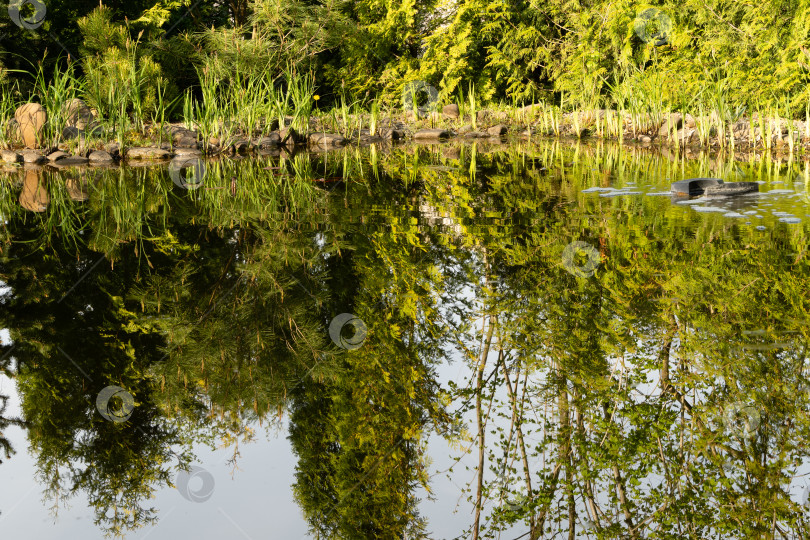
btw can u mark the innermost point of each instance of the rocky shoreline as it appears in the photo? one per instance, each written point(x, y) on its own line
point(83, 140)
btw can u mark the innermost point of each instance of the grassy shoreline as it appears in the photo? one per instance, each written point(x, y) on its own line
point(230, 116)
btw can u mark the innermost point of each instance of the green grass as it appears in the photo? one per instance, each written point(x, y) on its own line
point(8, 104)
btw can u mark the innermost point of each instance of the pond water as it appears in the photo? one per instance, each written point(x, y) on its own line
point(531, 340)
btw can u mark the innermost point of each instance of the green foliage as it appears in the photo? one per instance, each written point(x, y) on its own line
point(120, 77)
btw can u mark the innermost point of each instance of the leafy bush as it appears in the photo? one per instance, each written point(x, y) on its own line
point(120, 77)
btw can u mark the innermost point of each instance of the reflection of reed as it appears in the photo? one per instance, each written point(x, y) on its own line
point(123, 201)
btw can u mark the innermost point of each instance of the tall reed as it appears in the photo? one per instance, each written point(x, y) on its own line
point(55, 96)
point(473, 110)
point(8, 104)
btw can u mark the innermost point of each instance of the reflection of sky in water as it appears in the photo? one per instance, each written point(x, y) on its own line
point(254, 501)
point(772, 205)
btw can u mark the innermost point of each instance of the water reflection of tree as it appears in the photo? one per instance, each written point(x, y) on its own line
point(360, 435)
point(219, 323)
point(605, 460)
point(190, 322)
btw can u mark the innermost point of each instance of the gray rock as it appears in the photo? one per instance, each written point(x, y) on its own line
point(113, 148)
point(182, 137)
point(147, 153)
point(731, 188)
point(645, 139)
point(690, 121)
point(33, 157)
point(185, 142)
point(99, 156)
point(187, 152)
point(56, 156)
point(476, 135)
point(431, 134)
point(392, 134)
point(71, 132)
point(421, 112)
point(241, 146)
point(10, 157)
point(529, 110)
point(497, 131)
point(451, 111)
point(675, 121)
point(273, 140)
point(289, 136)
point(71, 161)
point(327, 140)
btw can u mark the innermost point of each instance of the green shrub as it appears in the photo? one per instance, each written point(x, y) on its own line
point(120, 76)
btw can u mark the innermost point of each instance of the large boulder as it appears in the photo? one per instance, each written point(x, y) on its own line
point(31, 119)
point(34, 196)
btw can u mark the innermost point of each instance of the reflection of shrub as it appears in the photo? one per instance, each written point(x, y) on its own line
point(119, 77)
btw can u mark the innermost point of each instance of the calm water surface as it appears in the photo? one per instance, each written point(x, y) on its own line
point(530, 340)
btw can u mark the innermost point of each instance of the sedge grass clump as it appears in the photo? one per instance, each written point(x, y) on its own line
point(473, 109)
point(8, 104)
point(375, 117)
point(55, 96)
